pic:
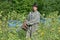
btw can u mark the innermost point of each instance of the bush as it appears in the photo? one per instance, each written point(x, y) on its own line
point(49, 28)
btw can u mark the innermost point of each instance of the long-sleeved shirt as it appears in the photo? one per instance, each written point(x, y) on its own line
point(33, 17)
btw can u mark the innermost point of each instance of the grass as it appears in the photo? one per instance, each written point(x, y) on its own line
point(49, 30)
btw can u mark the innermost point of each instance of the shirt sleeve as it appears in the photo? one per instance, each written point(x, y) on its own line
point(35, 20)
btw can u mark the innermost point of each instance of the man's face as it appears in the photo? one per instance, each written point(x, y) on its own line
point(34, 8)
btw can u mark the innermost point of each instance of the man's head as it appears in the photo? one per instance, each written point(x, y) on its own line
point(35, 7)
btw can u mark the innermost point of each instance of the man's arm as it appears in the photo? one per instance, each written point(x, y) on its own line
point(27, 19)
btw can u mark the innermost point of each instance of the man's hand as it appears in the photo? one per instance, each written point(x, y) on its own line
point(24, 26)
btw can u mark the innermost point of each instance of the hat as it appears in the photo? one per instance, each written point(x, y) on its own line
point(35, 5)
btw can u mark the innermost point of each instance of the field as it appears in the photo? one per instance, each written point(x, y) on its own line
point(49, 27)
point(14, 12)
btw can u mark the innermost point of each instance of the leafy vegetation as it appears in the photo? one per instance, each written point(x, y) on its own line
point(49, 27)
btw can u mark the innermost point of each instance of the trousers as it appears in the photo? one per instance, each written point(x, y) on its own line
point(31, 30)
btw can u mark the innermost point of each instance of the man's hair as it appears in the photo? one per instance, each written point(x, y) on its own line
point(35, 5)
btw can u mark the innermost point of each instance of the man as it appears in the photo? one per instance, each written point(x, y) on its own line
point(32, 21)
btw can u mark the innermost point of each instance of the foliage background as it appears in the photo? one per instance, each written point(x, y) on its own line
point(19, 9)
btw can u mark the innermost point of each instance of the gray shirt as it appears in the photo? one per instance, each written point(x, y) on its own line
point(33, 17)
